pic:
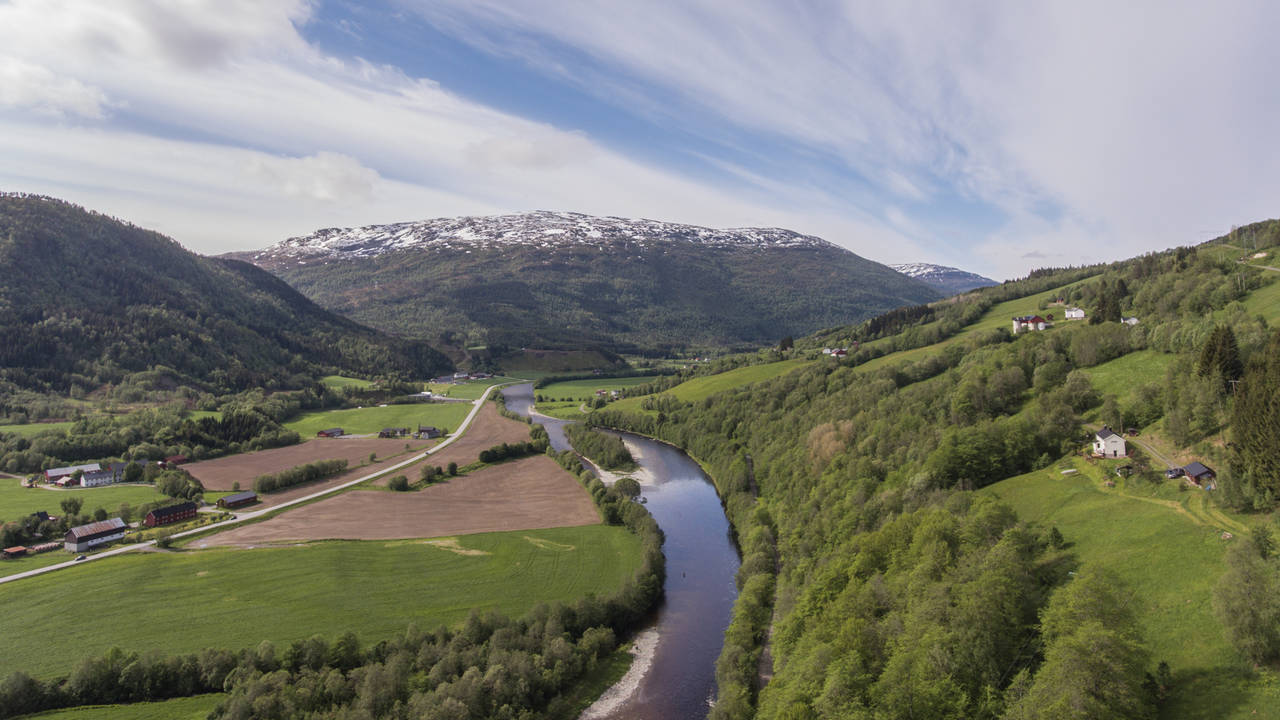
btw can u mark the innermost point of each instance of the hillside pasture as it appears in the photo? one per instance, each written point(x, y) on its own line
point(1120, 376)
point(534, 492)
point(196, 707)
point(705, 386)
point(586, 389)
point(179, 602)
point(340, 382)
point(1168, 546)
point(363, 421)
point(33, 429)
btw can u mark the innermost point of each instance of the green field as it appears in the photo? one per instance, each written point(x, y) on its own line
point(17, 501)
point(1265, 301)
point(1168, 547)
point(359, 421)
point(703, 387)
point(1118, 377)
point(184, 601)
point(339, 382)
point(586, 389)
point(31, 429)
point(189, 708)
point(471, 389)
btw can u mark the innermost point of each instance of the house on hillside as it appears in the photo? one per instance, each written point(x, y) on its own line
point(79, 539)
point(98, 478)
point(1130, 321)
point(1107, 443)
point(331, 433)
point(240, 499)
point(1200, 474)
point(170, 514)
point(1074, 313)
point(1027, 323)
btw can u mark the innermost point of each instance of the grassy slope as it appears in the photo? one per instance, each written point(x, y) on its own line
point(189, 708)
point(372, 419)
point(1168, 547)
point(340, 381)
point(701, 387)
point(17, 501)
point(586, 389)
point(1118, 377)
point(184, 601)
point(31, 429)
point(471, 389)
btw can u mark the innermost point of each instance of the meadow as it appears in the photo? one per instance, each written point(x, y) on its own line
point(471, 389)
point(17, 501)
point(1168, 546)
point(196, 707)
point(700, 388)
point(586, 389)
point(1120, 376)
point(31, 429)
point(339, 382)
point(187, 600)
point(360, 421)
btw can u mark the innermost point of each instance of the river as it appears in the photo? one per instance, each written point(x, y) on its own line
point(699, 591)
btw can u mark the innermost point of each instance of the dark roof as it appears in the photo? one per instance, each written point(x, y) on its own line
point(245, 496)
point(1105, 433)
point(1197, 469)
point(103, 527)
point(167, 510)
point(332, 431)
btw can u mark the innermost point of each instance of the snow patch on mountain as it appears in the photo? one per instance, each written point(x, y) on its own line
point(541, 229)
point(947, 279)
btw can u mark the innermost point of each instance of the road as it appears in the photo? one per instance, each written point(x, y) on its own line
point(244, 517)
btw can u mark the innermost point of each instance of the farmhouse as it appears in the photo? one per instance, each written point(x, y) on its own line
point(239, 499)
point(79, 539)
point(56, 474)
point(1028, 323)
point(1200, 473)
point(1074, 313)
point(1108, 444)
point(393, 432)
point(97, 478)
point(170, 514)
point(331, 433)
point(429, 432)
point(175, 460)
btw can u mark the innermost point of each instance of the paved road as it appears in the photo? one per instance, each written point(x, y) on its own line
point(243, 517)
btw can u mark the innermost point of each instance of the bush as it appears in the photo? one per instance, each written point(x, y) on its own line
point(298, 475)
point(399, 483)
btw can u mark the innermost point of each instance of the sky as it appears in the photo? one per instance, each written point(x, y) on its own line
point(998, 136)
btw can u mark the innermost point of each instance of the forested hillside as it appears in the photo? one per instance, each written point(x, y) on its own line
point(86, 300)
point(893, 593)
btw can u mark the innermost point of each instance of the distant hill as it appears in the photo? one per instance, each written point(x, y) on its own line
point(948, 280)
point(569, 280)
point(86, 299)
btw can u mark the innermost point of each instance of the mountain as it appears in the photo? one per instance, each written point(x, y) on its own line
point(949, 280)
point(569, 280)
point(87, 300)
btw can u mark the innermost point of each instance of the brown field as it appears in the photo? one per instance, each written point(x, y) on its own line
point(219, 474)
point(522, 495)
point(488, 428)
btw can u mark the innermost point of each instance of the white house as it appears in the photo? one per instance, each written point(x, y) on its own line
point(1108, 444)
point(1129, 320)
point(1074, 313)
point(97, 478)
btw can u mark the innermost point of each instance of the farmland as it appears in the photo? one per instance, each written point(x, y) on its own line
point(1169, 550)
point(189, 708)
point(586, 389)
point(17, 501)
point(361, 421)
point(31, 429)
point(221, 473)
point(470, 389)
point(184, 601)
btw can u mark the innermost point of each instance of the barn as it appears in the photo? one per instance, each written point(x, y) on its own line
point(170, 514)
point(79, 539)
point(248, 497)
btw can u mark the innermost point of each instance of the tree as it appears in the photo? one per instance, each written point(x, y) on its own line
point(373, 457)
point(133, 473)
point(628, 487)
point(125, 511)
point(71, 506)
point(1220, 356)
point(453, 469)
point(1255, 430)
point(100, 514)
point(1247, 602)
point(399, 483)
point(787, 343)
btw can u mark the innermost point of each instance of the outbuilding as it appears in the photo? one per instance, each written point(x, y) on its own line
point(331, 433)
point(79, 539)
point(55, 474)
point(14, 552)
point(248, 497)
point(170, 514)
point(1200, 473)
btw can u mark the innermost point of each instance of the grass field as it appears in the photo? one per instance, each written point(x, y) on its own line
point(183, 601)
point(1118, 377)
point(471, 389)
point(17, 501)
point(189, 708)
point(586, 389)
point(702, 387)
point(339, 382)
point(31, 429)
point(1265, 300)
point(1168, 547)
point(359, 421)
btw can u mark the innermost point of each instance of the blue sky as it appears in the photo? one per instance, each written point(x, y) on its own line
point(997, 138)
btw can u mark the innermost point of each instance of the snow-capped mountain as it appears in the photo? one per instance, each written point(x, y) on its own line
point(949, 280)
point(536, 230)
point(567, 280)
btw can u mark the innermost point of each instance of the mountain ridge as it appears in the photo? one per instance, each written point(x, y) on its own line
point(950, 280)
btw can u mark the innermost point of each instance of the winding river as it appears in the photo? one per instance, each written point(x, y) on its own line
point(701, 562)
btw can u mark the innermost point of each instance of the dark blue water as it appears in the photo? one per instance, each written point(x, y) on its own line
point(701, 563)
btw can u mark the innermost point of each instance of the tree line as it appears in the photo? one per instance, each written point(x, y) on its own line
point(285, 479)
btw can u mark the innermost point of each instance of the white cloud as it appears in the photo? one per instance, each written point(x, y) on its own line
point(24, 85)
point(323, 177)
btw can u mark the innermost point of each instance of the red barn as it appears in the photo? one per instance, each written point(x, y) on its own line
point(170, 514)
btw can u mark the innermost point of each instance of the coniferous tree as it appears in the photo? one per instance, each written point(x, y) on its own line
point(1255, 429)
